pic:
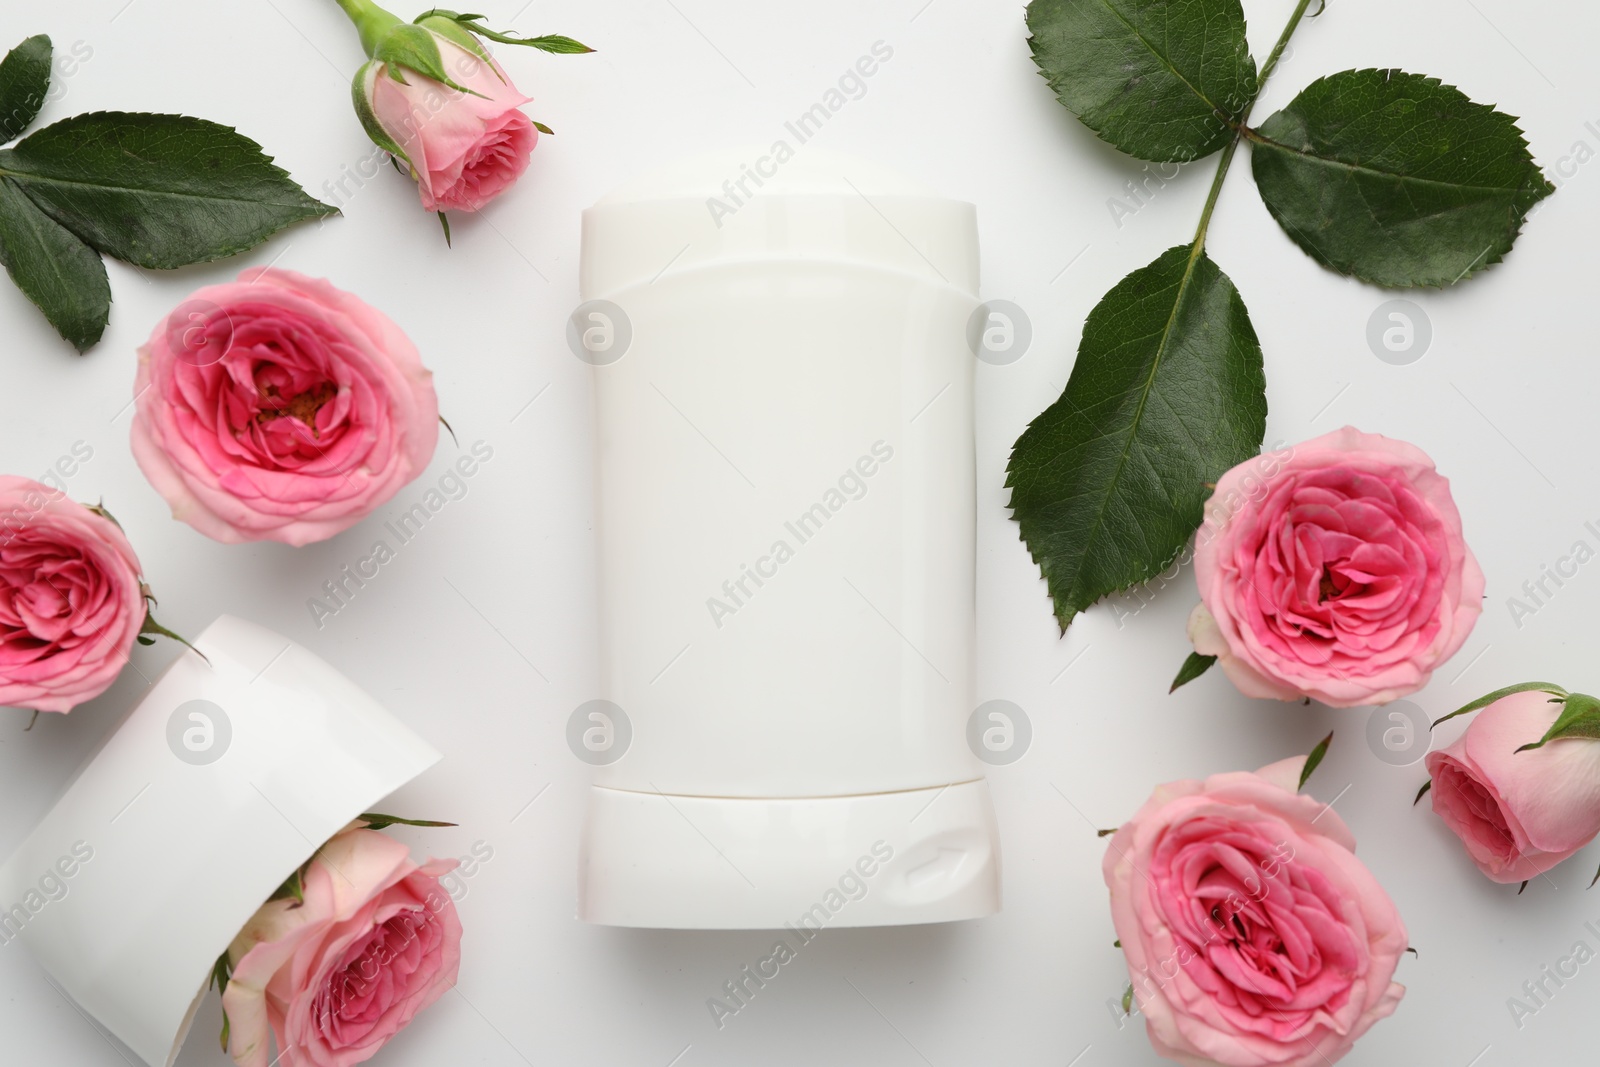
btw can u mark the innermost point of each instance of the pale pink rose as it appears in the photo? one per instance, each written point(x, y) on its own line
point(336, 977)
point(1518, 813)
point(464, 150)
point(71, 603)
point(280, 408)
point(1335, 571)
point(1253, 935)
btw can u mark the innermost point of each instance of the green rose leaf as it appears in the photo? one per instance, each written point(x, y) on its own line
point(1167, 393)
point(58, 272)
point(1160, 79)
point(157, 190)
point(24, 81)
point(1395, 178)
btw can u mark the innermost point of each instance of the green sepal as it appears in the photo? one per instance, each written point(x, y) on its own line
point(375, 821)
point(150, 626)
point(1104, 833)
point(1314, 760)
point(411, 47)
point(474, 22)
point(542, 128)
point(293, 887)
point(1193, 667)
point(360, 95)
point(1521, 687)
point(1580, 717)
point(444, 224)
point(221, 975)
point(456, 34)
point(1127, 1000)
point(1422, 792)
point(552, 42)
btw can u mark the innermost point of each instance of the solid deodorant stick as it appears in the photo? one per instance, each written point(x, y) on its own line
point(785, 518)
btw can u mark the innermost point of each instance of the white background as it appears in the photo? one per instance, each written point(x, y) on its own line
point(480, 633)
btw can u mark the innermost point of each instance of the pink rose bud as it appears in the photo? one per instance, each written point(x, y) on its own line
point(435, 99)
point(71, 602)
point(1253, 935)
point(335, 975)
point(280, 408)
point(1520, 791)
point(1334, 570)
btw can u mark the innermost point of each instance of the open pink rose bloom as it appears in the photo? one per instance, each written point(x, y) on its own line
point(1253, 935)
point(1518, 813)
point(333, 979)
point(70, 598)
point(280, 408)
point(1336, 571)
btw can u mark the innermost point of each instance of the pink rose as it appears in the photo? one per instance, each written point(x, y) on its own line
point(464, 150)
point(1335, 571)
point(71, 603)
point(280, 408)
point(1253, 934)
point(376, 941)
point(1518, 813)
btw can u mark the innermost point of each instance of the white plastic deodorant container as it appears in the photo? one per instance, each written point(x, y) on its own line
point(785, 521)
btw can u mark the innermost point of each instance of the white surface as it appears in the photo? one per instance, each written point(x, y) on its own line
point(481, 632)
point(281, 752)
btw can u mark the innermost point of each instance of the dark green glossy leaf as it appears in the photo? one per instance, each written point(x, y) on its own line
point(1395, 178)
point(24, 82)
point(1160, 79)
point(1314, 760)
point(1193, 667)
point(58, 272)
point(157, 190)
point(1167, 393)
